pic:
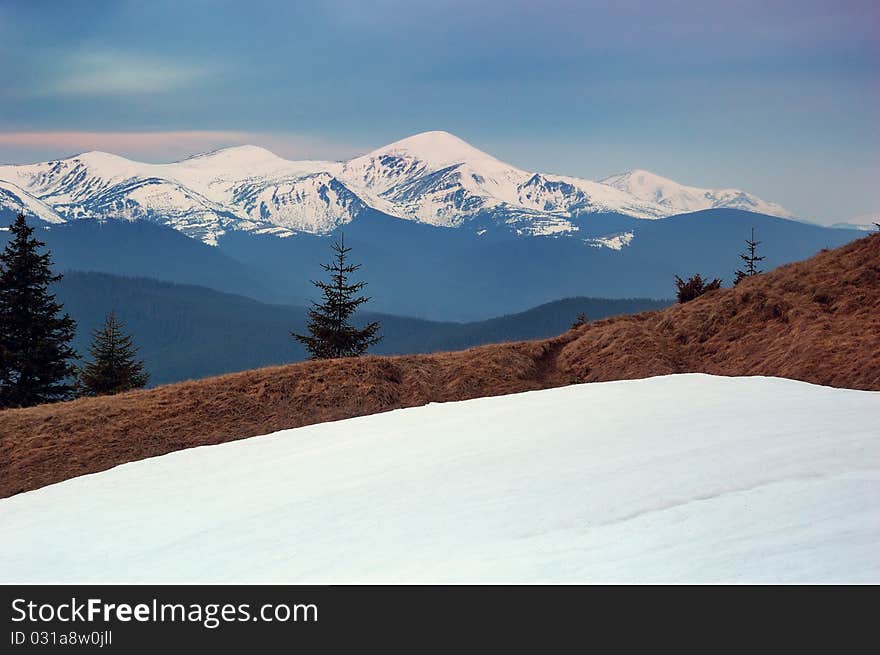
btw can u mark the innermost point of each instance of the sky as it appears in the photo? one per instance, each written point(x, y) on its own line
point(777, 98)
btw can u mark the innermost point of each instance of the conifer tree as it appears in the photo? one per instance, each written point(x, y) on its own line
point(35, 354)
point(751, 258)
point(331, 333)
point(694, 287)
point(113, 368)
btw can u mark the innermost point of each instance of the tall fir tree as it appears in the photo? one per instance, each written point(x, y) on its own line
point(114, 367)
point(751, 259)
point(36, 360)
point(331, 333)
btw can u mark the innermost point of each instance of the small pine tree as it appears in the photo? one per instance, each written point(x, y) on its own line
point(579, 321)
point(113, 368)
point(751, 258)
point(35, 354)
point(694, 287)
point(330, 332)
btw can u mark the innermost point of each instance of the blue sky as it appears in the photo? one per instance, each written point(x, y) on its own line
point(779, 98)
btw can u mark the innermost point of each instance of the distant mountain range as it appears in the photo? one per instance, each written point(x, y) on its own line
point(444, 231)
point(446, 274)
point(187, 331)
point(433, 178)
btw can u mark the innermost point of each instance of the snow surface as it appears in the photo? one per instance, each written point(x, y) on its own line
point(433, 177)
point(685, 478)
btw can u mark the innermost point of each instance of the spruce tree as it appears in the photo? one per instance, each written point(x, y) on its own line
point(113, 368)
point(694, 287)
point(35, 354)
point(331, 333)
point(751, 258)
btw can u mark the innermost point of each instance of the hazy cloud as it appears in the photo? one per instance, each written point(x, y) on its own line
point(775, 97)
point(106, 73)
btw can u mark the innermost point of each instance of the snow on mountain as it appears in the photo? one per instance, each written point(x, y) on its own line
point(679, 198)
point(195, 196)
point(67, 182)
point(866, 223)
point(316, 202)
point(433, 178)
point(435, 150)
point(161, 201)
point(576, 484)
point(218, 173)
point(615, 241)
point(437, 178)
point(14, 199)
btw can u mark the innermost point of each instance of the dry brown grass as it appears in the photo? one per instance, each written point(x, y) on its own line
point(817, 321)
point(50, 443)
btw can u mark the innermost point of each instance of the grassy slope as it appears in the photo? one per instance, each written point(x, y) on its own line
point(817, 321)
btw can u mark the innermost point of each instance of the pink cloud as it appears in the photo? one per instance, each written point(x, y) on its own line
point(164, 146)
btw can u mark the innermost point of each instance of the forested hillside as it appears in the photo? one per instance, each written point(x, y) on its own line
point(187, 331)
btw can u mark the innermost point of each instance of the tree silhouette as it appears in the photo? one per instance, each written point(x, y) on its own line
point(114, 368)
point(331, 333)
point(35, 354)
point(751, 259)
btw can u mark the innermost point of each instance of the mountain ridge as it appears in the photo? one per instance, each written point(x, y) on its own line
point(650, 186)
point(432, 177)
point(417, 269)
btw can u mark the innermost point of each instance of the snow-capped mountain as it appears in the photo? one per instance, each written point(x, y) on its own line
point(433, 177)
point(437, 178)
point(679, 198)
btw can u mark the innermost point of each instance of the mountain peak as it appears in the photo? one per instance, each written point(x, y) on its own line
point(100, 157)
point(239, 154)
point(637, 176)
point(436, 148)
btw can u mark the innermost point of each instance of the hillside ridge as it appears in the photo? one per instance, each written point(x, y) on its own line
point(817, 321)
